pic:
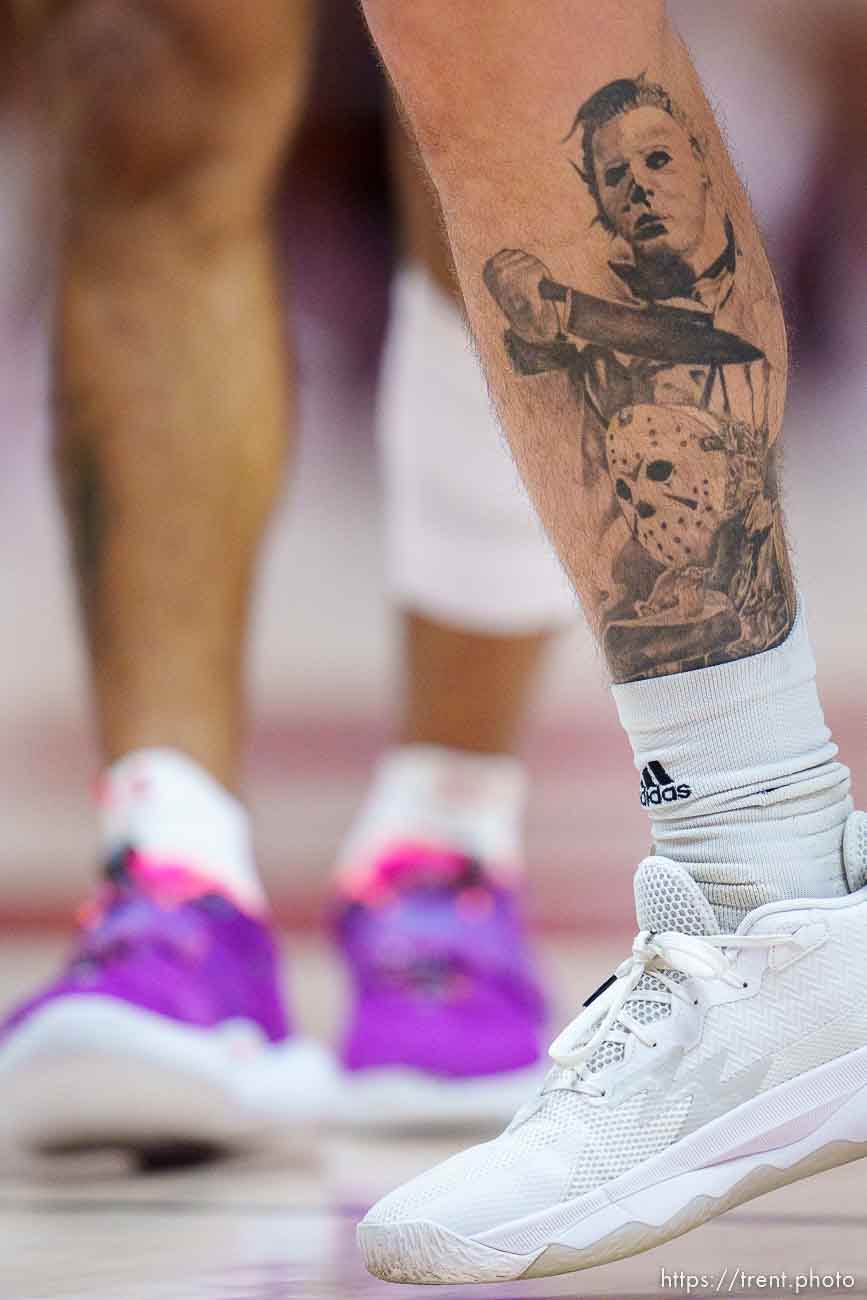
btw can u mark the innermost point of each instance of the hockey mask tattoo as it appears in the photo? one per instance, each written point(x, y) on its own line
point(669, 470)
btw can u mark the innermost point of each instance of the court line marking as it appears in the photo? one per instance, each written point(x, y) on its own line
point(88, 1205)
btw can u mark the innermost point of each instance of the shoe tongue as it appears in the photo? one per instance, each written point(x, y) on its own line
point(667, 898)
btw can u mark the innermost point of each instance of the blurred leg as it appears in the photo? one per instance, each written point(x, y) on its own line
point(444, 1027)
point(171, 385)
point(466, 690)
point(172, 413)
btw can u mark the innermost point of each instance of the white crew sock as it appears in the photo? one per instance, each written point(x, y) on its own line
point(428, 794)
point(739, 776)
point(170, 810)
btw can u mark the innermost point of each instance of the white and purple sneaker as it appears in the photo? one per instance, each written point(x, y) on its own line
point(165, 1028)
point(447, 1016)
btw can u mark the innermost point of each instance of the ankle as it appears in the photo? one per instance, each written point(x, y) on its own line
point(472, 803)
point(167, 809)
point(740, 777)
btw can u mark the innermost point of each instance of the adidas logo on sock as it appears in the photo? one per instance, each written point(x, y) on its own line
point(657, 787)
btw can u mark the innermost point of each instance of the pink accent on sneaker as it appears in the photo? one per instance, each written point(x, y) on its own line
point(407, 862)
point(168, 884)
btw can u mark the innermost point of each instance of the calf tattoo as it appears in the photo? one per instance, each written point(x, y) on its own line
point(678, 379)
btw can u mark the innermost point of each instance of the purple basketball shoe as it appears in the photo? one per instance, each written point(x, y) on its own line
point(165, 1027)
point(447, 1021)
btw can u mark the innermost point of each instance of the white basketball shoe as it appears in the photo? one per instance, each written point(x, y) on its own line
point(710, 1069)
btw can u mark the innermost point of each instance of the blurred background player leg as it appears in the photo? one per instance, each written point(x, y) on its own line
point(447, 1019)
point(171, 434)
point(178, 438)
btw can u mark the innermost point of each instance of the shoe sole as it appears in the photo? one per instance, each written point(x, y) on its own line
point(801, 1128)
point(398, 1099)
point(94, 1072)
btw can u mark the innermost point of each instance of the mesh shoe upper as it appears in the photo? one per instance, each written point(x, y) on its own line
point(798, 1012)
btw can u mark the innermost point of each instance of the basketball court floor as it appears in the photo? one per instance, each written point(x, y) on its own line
point(93, 1228)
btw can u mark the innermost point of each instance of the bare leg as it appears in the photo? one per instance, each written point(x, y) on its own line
point(466, 690)
point(171, 391)
point(171, 412)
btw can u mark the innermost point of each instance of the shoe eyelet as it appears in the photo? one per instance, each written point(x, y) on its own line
point(745, 984)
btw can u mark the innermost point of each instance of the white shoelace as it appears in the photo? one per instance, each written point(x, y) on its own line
point(607, 1018)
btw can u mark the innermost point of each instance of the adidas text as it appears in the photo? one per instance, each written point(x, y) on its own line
point(657, 787)
point(667, 794)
